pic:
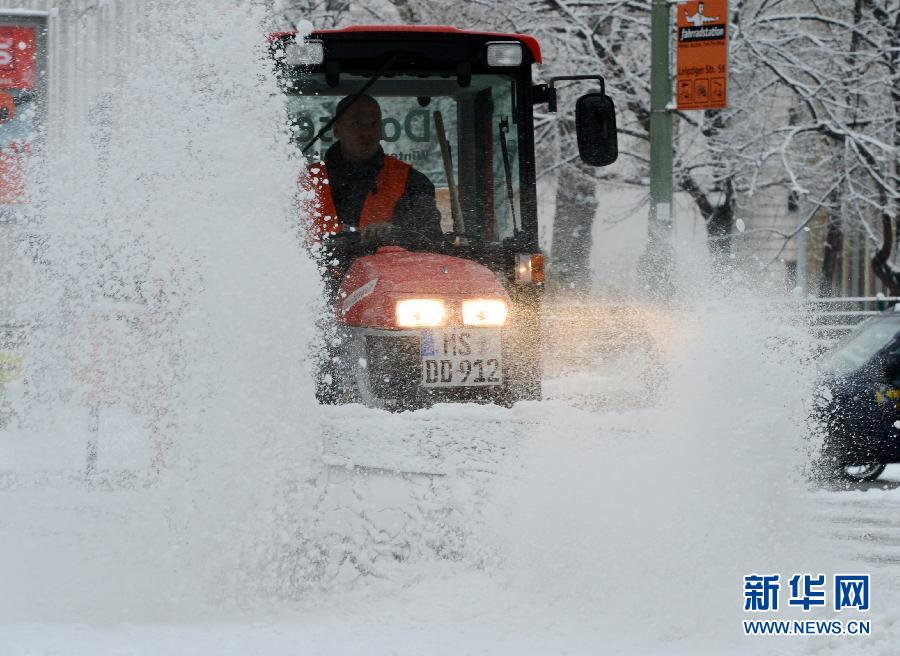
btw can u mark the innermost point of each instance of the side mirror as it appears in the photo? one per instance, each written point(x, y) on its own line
point(595, 125)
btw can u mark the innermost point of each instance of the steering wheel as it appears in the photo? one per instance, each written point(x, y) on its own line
point(348, 244)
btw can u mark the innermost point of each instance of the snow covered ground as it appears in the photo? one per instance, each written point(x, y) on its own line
point(589, 535)
point(545, 528)
point(564, 526)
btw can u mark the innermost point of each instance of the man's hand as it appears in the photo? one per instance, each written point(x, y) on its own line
point(376, 231)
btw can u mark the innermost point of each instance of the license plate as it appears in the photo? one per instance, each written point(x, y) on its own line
point(461, 357)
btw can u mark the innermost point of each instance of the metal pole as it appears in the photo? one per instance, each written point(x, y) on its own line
point(659, 260)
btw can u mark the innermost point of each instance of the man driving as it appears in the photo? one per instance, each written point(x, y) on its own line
point(358, 186)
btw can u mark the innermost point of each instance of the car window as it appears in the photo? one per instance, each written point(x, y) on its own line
point(862, 345)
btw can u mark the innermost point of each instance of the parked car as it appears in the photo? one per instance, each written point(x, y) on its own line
point(858, 401)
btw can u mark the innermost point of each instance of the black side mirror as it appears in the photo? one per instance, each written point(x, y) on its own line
point(595, 125)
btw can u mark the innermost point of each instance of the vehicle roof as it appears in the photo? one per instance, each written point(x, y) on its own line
point(528, 41)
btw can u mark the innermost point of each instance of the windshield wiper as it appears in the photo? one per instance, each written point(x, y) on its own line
point(368, 85)
point(504, 129)
point(459, 225)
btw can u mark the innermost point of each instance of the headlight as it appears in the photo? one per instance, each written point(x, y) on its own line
point(504, 53)
point(484, 312)
point(420, 312)
point(305, 52)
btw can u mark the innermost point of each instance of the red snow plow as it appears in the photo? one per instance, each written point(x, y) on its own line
point(436, 279)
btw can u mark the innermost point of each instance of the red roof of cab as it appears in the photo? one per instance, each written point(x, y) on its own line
point(529, 41)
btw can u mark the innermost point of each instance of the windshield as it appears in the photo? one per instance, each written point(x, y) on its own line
point(482, 140)
point(870, 338)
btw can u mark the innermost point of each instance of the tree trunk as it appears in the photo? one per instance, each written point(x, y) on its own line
point(719, 227)
point(576, 206)
point(881, 259)
point(719, 219)
point(834, 245)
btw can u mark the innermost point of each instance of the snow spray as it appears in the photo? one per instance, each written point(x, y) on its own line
point(641, 522)
point(171, 282)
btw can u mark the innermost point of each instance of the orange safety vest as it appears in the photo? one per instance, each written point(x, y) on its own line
point(379, 204)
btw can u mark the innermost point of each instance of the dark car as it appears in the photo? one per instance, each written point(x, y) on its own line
point(858, 401)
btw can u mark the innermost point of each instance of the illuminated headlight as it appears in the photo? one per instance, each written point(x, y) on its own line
point(484, 312)
point(420, 312)
point(309, 52)
point(504, 53)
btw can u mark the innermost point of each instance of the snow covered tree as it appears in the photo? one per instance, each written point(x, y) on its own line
point(836, 64)
point(329, 14)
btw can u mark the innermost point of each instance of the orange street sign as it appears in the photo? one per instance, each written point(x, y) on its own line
point(701, 81)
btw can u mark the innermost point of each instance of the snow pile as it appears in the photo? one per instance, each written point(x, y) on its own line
point(404, 491)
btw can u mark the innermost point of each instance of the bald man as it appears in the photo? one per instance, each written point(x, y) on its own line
point(383, 197)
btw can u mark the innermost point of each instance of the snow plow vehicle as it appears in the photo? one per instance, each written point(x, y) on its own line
point(453, 315)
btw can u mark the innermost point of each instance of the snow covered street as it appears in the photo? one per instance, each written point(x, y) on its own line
point(595, 520)
point(861, 523)
point(557, 547)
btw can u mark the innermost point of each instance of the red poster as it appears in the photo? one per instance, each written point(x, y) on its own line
point(18, 76)
point(17, 57)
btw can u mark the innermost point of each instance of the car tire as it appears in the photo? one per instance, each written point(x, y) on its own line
point(862, 472)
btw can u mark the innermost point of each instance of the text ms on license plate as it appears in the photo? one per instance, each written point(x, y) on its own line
point(461, 357)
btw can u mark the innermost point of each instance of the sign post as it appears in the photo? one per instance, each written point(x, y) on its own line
point(658, 262)
point(701, 83)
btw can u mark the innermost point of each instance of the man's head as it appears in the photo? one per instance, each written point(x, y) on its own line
point(359, 127)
